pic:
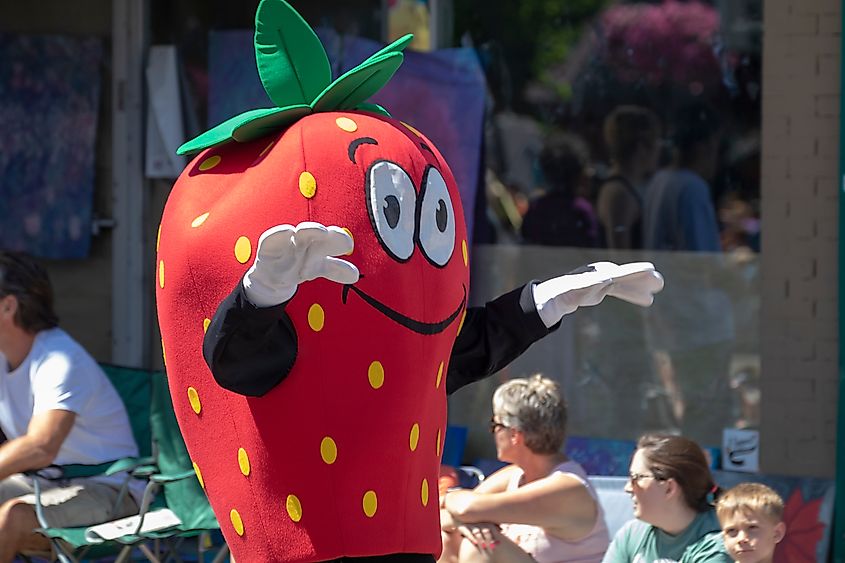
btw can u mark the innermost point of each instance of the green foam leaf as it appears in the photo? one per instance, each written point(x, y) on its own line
point(292, 63)
point(395, 47)
point(246, 127)
point(373, 108)
point(357, 85)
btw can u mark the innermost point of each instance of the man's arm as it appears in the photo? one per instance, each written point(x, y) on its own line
point(39, 446)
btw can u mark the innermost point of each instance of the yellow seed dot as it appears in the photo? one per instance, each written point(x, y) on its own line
point(464, 252)
point(205, 324)
point(439, 375)
point(194, 399)
point(158, 238)
point(370, 503)
point(243, 461)
point(161, 274)
point(307, 184)
point(237, 523)
point(210, 162)
point(199, 475)
point(163, 355)
point(328, 450)
point(376, 374)
point(243, 249)
point(316, 317)
point(412, 129)
point(437, 446)
point(463, 318)
point(424, 492)
point(346, 124)
point(199, 220)
point(294, 508)
point(348, 232)
point(415, 437)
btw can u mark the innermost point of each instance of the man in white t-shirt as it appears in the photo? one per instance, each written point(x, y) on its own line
point(56, 407)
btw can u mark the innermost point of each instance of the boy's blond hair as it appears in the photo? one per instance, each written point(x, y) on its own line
point(750, 497)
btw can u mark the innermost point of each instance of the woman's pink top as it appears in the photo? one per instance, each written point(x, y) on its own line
point(545, 548)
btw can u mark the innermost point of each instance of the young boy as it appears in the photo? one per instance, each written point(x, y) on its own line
point(751, 516)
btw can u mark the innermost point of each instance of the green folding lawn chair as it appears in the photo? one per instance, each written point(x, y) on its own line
point(134, 386)
point(171, 485)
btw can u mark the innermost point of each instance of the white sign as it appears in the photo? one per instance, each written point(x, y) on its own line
point(740, 450)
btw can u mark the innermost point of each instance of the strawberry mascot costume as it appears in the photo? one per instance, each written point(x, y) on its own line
point(312, 295)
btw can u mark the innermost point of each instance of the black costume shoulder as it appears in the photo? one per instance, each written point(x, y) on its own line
point(250, 350)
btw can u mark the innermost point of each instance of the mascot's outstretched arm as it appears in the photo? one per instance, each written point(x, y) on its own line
point(251, 345)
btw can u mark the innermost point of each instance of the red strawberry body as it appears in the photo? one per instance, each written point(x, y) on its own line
point(341, 458)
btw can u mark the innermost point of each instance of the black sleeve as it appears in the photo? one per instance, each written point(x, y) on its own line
point(493, 336)
point(249, 349)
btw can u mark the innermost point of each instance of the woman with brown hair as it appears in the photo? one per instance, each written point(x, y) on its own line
point(672, 490)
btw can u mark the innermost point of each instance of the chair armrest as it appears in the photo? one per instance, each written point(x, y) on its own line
point(168, 478)
point(79, 470)
point(146, 470)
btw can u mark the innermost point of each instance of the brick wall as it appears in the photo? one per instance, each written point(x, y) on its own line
point(799, 334)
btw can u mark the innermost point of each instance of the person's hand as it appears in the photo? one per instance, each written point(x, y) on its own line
point(483, 536)
point(448, 523)
point(457, 501)
point(636, 283)
point(288, 255)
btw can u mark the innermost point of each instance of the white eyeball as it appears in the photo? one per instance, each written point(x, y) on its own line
point(437, 219)
point(391, 203)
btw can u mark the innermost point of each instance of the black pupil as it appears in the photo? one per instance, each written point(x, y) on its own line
point(442, 217)
point(391, 210)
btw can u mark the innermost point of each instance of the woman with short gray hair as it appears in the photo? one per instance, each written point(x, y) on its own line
point(541, 508)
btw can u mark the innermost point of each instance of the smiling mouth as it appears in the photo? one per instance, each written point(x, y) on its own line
point(411, 324)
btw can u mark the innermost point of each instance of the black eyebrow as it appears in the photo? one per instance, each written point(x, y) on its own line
point(353, 146)
point(425, 147)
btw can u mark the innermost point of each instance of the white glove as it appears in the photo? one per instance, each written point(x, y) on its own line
point(288, 255)
point(636, 283)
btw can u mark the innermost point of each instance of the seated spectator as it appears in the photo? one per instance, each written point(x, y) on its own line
point(671, 487)
point(540, 509)
point(751, 515)
point(632, 135)
point(56, 406)
point(561, 217)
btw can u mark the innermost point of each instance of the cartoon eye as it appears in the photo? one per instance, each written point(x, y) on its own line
point(391, 202)
point(437, 219)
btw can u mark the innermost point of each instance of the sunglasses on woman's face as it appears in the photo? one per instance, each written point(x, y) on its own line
point(495, 425)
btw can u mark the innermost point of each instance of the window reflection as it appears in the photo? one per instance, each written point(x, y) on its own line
point(630, 131)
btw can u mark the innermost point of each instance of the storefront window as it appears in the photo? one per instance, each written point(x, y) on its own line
point(627, 131)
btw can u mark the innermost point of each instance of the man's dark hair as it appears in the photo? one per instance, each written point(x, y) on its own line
point(694, 124)
point(28, 281)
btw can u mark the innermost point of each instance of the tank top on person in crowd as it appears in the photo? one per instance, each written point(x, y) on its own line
point(637, 227)
point(545, 548)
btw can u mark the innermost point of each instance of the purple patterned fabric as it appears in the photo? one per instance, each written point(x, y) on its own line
point(49, 101)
